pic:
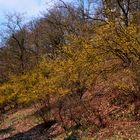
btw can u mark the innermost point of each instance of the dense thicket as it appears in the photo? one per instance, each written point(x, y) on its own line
point(68, 50)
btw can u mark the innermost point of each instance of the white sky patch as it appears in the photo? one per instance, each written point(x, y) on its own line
point(31, 8)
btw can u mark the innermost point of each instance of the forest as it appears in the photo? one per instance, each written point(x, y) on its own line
point(73, 73)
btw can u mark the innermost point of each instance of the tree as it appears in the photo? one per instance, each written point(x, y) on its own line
point(120, 10)
point(17, 56)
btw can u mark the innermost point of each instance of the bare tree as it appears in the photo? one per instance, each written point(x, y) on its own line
point(15, 37)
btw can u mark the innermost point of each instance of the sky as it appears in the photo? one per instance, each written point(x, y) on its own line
point(31, 8)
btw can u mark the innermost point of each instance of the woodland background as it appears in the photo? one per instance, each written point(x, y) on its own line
point(76, 68)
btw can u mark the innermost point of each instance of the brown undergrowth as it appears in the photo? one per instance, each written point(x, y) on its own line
point(104, 112)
